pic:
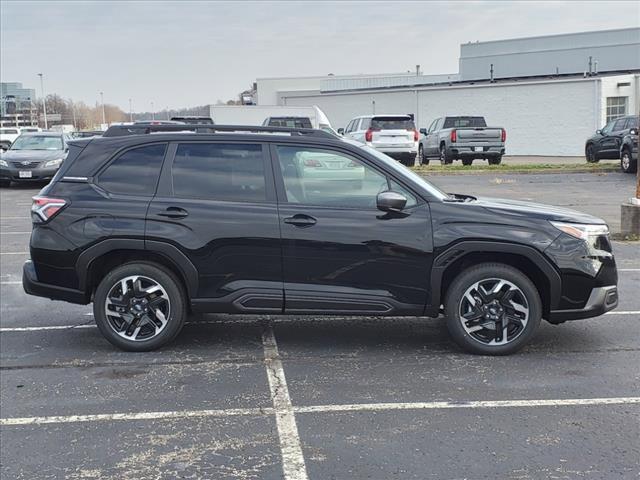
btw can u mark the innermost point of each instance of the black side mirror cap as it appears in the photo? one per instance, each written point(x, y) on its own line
point(599, 132)
point(341, 131)
point(633, 131)
point(390, 201)
point(423, 131)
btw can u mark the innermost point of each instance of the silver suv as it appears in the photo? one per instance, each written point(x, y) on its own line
point(393, 135)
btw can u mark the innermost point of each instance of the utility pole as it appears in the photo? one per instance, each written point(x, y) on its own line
point(44, 101)
point(104, 118)
point(153, 113)
point(130, 112)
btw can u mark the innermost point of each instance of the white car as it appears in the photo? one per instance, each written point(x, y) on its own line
point(8, 135)
point(393, 135)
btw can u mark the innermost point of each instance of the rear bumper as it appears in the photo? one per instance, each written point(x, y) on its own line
point(601, 300)
point(32, 286)
point(469, 151)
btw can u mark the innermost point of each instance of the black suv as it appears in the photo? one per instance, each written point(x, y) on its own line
point(150, 227)
point(606, 143)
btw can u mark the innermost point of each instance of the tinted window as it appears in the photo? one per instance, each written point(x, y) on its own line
point(632, 122)
point(329, 178)
point(290, 122)
point(454, 122)
point(608, 127)
point(36, 142)
point(619, 125)
point(392, 123)
point(135, 172)
point(219, 171)
point(348, 129)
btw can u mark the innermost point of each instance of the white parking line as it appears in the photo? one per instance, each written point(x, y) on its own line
point(14, 233)
point(358, 407)
point(136, 416)
point(293, 463)
point(371, 407)
point(16, 282)
point(629, 269)
point(14, 253)
point(632, 312)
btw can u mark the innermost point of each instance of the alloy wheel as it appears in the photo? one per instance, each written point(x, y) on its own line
point(625, 161)
point(137, 308)
point(494, 311)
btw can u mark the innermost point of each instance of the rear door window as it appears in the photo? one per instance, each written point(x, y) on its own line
point(218, 171)
point(365, 123)
point(619, 125)
point(392, 123)
point(135, 172)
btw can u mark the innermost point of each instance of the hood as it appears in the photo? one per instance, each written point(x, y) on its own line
point(33, 155)
point(529, 209)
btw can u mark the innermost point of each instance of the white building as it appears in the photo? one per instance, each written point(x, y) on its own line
point(550, 93)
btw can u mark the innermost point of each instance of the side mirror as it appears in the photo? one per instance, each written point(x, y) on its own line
point(423, 131)
point(633, 131)
point(599, 132)
point(391, 201)
point(341, 131)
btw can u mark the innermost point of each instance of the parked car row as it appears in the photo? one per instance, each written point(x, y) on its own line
point(618, 139)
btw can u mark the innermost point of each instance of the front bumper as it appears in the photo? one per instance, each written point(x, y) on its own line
point(601, 300)
point(32, 286)
point(38, 174)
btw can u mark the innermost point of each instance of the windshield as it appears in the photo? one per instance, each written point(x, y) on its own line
point(392, 123)
point(35, 142)
point(402, 170)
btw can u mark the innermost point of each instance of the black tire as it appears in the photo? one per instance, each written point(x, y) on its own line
point(495, 160)
point(467, 162)
point(445, 156)
point(590, 154)
point(422, 160)
point(176, 305)
point(526, 296)
point(627, 163)
point(5, 183)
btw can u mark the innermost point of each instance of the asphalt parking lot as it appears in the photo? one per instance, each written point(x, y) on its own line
point(299, 398)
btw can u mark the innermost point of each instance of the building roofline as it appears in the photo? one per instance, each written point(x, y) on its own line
point(551, 36)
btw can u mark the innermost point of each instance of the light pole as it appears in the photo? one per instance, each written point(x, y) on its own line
point(130, 112)
point(153, 113)
point(44, 102)
point(104, 118)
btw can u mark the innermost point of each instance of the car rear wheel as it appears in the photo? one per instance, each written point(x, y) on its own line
point(467, 161)
point(495, 160)
point(492, 309)
point(627, 164)
point(139, 306)
point(590, 154)
point(445, 157)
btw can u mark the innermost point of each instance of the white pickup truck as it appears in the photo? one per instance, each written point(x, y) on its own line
point(464, 138)
point(8, 135)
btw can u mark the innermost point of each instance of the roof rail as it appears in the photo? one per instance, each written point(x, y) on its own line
point(137, 129)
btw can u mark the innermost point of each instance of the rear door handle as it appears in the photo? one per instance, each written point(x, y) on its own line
point(174, 212)
point(301, 220)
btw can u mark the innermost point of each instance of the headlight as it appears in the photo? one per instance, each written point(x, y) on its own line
point(3, 163)
point(54, 163)
point(581, 230)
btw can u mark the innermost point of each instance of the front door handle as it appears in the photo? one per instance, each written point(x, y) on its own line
point(301, 220)
point(174, 212)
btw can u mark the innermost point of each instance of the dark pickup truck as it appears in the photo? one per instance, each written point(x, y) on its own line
point(464, 138)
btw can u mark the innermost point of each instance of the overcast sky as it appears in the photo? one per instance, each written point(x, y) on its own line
point(180, 54)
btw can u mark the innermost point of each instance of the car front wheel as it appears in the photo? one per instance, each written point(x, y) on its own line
point(492, 309)
point(139, 306)
point(627, 164)
point(590, 154)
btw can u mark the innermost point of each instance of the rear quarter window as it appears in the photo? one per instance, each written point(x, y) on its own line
point(134, 172)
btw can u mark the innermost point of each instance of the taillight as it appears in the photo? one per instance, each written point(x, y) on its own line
point(454, 136)
point(416, 135)
point(368, 135)
point(311, 162)
point(503, 137)
point(44, 209)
